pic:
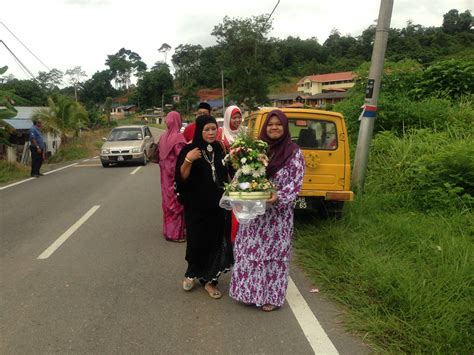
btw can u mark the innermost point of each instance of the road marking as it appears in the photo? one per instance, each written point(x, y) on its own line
point(96, 157)
point(85, 160)
point(52, 248)
point(134, 171)
point(308, 322)
point(87, 165)
point(16, 183)
point(64, 167)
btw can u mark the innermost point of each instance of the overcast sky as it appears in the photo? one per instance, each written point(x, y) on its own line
point(64, 34)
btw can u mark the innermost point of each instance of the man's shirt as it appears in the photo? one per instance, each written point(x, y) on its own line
point(36, 134)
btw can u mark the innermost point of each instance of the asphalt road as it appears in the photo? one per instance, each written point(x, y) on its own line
point(114, 284)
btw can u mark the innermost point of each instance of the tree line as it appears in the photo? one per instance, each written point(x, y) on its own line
point(245, 57)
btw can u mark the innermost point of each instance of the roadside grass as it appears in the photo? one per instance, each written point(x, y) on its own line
point(10, 172)
point(85, 146)
point(405, 277)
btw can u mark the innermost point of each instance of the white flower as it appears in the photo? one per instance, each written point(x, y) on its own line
point(256, 173)
point(246, 169)
point(243, 160)
point(244, 185)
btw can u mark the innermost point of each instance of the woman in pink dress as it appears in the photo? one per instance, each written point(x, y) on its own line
point(262, 248)
point(170, 145)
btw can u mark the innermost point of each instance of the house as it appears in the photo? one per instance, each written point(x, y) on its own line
point(121, 111)
point(299, 100)
point(285, 100)
point(18, 128)
point(317, 84)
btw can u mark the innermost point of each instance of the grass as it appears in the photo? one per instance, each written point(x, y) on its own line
point(404, 277)
point(85, 146)
point(13, 171)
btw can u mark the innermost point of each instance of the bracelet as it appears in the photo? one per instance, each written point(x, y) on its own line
point(188, 160)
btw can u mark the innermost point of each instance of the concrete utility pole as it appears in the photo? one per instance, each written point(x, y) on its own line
point(372, 94)
point(223, 97)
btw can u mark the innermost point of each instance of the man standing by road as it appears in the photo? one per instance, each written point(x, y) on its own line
point(36, 147)
point(203, 109)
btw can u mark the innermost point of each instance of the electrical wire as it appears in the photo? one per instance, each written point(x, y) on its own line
point(39, 60)
point(18, 60)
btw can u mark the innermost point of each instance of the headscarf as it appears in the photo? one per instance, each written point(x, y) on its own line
point(198, 141)
point(229, 133)
point(281, 149)
point(172, 136)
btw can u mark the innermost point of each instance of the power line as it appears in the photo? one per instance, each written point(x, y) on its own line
point(39, 60)
point(18, 60)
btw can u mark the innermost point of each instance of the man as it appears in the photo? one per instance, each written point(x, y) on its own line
point(203, 109)
point(37, 148)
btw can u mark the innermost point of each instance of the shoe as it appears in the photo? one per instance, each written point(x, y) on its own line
point(212, 291)
point(40, 174)
point(188, 284)
point(35, 176)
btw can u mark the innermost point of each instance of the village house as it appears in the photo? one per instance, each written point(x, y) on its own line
point(18, 127)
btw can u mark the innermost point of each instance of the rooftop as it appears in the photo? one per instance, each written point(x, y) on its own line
point(323, 78)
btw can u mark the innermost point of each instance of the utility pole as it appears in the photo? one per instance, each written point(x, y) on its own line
point(223, 97)
point(369, 112)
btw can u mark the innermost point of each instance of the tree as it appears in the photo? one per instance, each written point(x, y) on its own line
point(454, 22)
point(50, 80)
point(63, 114)
point(123, 65)
point(245, 51)
point(108, 108)
point(186, 60)
point(95, 90)
point(75, 77)
point(165, 48)
point(154, 85)
point(27, 89)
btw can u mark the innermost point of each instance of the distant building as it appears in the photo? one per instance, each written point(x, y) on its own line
point(317, 84)
point(121, 111)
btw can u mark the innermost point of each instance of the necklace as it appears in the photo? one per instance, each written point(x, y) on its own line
point(211, 163)
point(209, 148)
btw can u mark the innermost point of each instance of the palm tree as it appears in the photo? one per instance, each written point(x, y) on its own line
point(63, 114)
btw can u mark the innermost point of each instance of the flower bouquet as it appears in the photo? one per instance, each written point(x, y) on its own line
point(248, 190)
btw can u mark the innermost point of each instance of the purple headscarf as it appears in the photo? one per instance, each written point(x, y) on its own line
point(281, 149)
point(172, 136)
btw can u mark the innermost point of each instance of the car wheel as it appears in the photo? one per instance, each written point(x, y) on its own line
point(145, 159)
point(105, 165)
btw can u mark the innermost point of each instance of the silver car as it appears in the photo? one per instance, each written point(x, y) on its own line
point(127, 144)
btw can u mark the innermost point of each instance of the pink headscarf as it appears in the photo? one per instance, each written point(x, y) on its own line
point(172, 136)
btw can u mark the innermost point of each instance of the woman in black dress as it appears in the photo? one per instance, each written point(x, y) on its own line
point(200, 177)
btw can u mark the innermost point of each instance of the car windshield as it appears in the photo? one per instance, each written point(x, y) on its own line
point(126, 134)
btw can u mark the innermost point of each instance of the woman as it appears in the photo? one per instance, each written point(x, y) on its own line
point(262, 248)
point(232, 125)
point(200, 177)
point(171, 143)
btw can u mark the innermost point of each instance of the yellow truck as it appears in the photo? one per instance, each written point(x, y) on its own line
point(323, 139)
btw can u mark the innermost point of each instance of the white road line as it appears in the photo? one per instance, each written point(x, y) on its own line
point(16, 183)
point(52, 248)
point(95, 157)
point(64, 167)
point(134, 171)
point(85, 160)
point(313, 331)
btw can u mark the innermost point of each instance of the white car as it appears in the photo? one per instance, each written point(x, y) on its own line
point(127, 144)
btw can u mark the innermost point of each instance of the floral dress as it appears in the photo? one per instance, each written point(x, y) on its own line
point(262, 248)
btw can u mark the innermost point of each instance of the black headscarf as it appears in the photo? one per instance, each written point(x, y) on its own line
point(198, 140)
point(281, 149)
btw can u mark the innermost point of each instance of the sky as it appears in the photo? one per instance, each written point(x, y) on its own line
point(65, 34)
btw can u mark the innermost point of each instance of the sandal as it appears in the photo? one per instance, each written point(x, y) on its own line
point(188, 284)
point(212, 291)
point(269, 307)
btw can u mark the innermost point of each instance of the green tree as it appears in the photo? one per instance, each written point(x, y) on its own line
point(154, 85)
point(186, 61)
point(245, 51)
point(27, 89)
point(50, 80)
point(108, 108)
point(454, 22)
point(95, 90)
point(123, 65)
point(63, 114)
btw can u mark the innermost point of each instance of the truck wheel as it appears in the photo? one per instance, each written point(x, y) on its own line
point(332, 209)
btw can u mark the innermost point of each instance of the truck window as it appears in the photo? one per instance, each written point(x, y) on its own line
point(313, 134)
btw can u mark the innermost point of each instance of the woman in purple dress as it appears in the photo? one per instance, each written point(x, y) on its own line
point(171, 143)
point(262, 248)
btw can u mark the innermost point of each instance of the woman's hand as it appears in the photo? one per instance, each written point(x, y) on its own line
point(194, 154)
point(273, 198)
